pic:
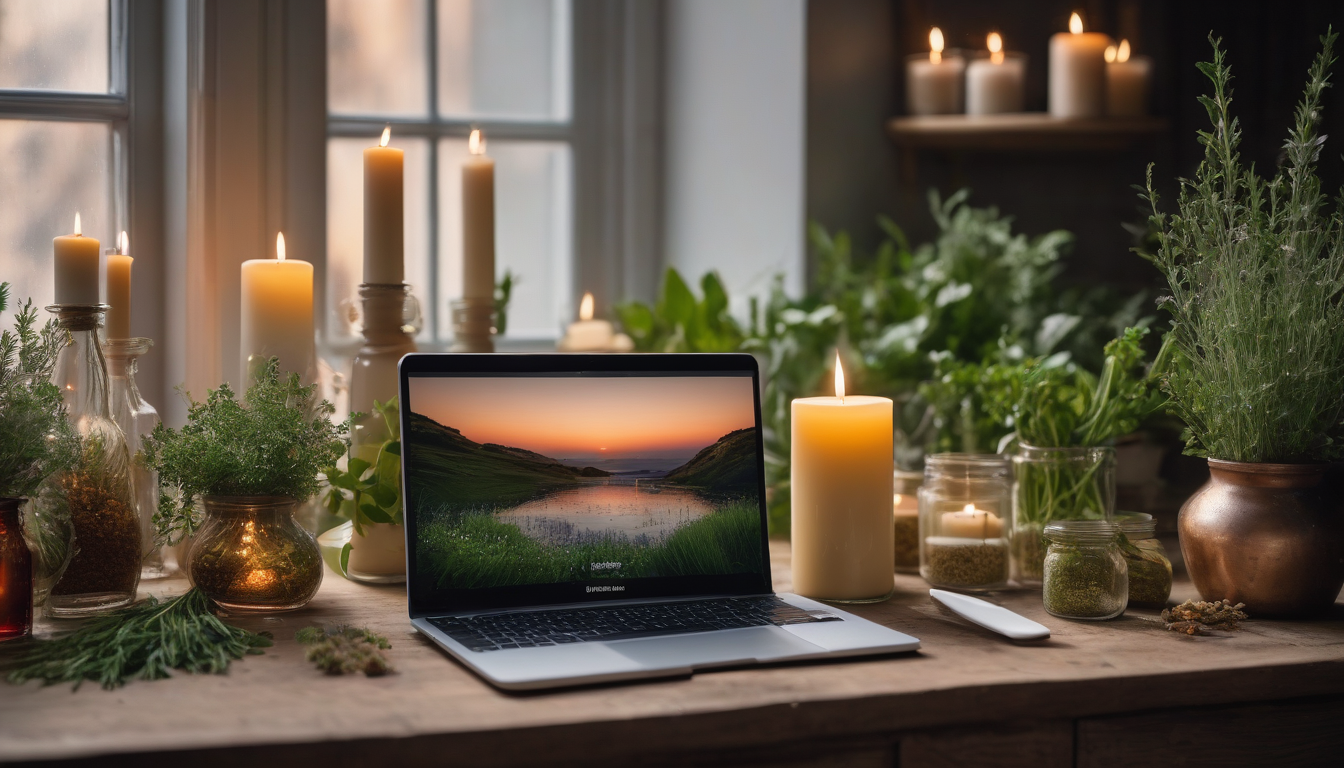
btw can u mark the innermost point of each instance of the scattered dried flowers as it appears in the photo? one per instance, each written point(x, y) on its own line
point(345, 650)
point(1197, 617)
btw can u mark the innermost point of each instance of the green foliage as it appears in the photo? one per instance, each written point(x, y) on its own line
point(1256, 272)
point(370, 492)
point(503, 295)
point(680, 322)
point(144, 641)
point(273, 443)
point(36, 439)
point(345, 650)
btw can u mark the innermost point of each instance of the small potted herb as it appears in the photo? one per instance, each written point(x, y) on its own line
point(249, 464)
point(368, 494)
point(1256, 272)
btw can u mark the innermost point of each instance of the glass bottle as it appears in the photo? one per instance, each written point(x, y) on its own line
point(1149, 566)
point(1076, 483)
point(252, 556)
point(16, 574)
point(105, 571)
point(963, 506)
point(1085, 575)
point(137, 418)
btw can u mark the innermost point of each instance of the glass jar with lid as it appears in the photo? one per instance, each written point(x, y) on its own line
point(963, 504)
point(1149, 566)
point(1086, 576)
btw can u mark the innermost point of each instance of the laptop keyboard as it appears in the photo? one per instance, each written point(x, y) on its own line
point(535, 629)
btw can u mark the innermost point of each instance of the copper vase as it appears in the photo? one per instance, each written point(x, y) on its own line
point(1268, 535)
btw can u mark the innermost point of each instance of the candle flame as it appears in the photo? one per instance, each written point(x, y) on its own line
point(839, 377)
point(476, 142)
point(935, 45)
point(1109, 55)
point(79, 231)
point(995, 43)
point(124, 244)
point(1076, 23)
point(279, 246)
point(586, 307)
point(896, 500)
point(970, 508)
point(1122, 53)
point(387, 136)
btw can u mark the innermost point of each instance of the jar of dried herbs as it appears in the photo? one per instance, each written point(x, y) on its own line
point(963, 505)
point(1086, 576)
point(1149, 566)
point(252, 556)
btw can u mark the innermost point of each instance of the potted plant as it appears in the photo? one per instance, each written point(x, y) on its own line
point(249, 464)
point(36, 443)
point(1256, 272)
point(368, 494)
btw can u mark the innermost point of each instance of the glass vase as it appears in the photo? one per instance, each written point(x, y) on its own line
point(105, 570)
point(252, 556)
point(1056, 484)
point(16, 574)
point(137, 418)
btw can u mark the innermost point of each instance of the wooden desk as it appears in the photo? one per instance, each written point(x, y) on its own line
point(1122, 692)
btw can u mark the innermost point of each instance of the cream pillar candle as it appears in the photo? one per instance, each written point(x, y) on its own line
point(77, 267)
point(970, 523)
point(933, 83)
point(478, 222)
point(1126, 82)
point(384, 236)
point(1078, 72)
point(119, 289)
point(277, 312)
point(841, 488)
point(994, 85)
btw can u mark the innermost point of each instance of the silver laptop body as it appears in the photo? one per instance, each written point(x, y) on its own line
point(558, 488)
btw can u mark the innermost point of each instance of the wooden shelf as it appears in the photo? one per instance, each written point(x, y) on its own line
point(1025, 132)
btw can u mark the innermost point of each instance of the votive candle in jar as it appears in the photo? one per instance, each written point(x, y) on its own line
point(994, 83)
point(841, 496)
point(905, 515)
point(933, 81)
point(1126, 82)
point(1078, 72)
point(963, 507)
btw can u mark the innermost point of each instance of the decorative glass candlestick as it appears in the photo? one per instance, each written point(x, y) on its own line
point(474, 325)
point(105, 571)
point(137, 418)
point(963, 507)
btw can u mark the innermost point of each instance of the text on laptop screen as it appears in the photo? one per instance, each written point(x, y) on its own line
point(523, 480)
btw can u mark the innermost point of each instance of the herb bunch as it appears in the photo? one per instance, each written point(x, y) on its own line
point(275, 442)
point(1256, 272)
point(345, 650)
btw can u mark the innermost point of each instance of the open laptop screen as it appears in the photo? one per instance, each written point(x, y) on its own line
point(531, 487)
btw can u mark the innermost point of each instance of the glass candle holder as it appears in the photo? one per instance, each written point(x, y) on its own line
point(252, 556)
point(474, 325)
point(16, 574)
point(1056, 484)
point(1086, 576)
point(137, 418)
point(963, 508)
point(905, 513)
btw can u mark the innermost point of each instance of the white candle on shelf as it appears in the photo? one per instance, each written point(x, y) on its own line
point(971, 523)
point(119, 289)
point(933, 83)
point(994, 85)
point(76, 267)
point(384, 236)
point(478, 222)
point(1078, 72)
point(1126, 82)
point(277, 313)
point(589, 335)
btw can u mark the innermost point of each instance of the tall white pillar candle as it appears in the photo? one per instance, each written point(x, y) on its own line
point(933, 83)
point(1127, 80)
point(76, 267)
point(1078, 72)
point(384, 236)
point(277, 312)
point(119, 290)
point(478, 222)
point(994, 84)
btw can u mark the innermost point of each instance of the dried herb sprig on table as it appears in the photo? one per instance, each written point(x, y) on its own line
point(1197, 617)
point(345, 650)
point(144, 641)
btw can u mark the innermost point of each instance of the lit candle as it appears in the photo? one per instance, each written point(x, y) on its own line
point(842, 496)
point(994, 85)
point(971, 523)
point(119, 289)
point(277, 310)
point(76, 259)
point(904, 504)
point(478, 222)
point(1078, 71)
point(1126, 82)
point(933, 82)
point(587, 334)
point(384, 238)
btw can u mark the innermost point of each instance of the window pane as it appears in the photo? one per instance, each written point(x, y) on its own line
point(504, 59)
point(54, 46)
point(532, 230)
point(376, 58)
point(48, 172)
point(345, 226)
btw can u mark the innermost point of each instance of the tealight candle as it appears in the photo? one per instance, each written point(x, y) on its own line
point(1126, 82)
point(933, 81)
point(589, 335)
point(971, 523)
point(1078, 72)
point(994, 85)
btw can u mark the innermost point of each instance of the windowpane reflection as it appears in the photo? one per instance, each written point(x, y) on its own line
point(504, 59)
point(54, 45)
point(376, 58)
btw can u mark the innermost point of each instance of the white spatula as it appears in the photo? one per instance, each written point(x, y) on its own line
point(993, 617)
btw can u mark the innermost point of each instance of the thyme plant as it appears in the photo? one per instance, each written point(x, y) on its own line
point(1256, 271)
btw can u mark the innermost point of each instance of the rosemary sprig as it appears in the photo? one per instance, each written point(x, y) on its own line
point(144, 641)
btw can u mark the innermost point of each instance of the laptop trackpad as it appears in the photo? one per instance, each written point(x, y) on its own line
point(734, 646)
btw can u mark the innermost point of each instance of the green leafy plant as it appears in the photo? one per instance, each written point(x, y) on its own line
point(503, 295)
point(275, 442)
point(680, 322)
point(1256, 272)
point(368, 492)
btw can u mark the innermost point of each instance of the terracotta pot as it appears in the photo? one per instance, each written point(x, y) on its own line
point(1268, 535)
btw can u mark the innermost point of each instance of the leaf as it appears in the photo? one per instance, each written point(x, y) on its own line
point(374, 513)
point(393, 447)
point(356, 467)
point(678, 302)
point(345, 558)
point(385, 496)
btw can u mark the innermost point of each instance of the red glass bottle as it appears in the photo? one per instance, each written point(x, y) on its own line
point(16, 574)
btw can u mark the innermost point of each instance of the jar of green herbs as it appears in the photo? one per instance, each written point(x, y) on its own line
point(1086, 576)
point(1149, 566)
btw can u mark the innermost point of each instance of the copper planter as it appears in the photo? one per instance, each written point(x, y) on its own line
point(1268, 535)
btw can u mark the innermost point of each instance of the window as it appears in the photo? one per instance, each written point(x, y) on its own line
point(433, 70)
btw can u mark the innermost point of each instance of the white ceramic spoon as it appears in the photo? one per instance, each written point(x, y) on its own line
point(993, 617)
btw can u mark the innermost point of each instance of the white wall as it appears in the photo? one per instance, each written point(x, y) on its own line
point(735, 142)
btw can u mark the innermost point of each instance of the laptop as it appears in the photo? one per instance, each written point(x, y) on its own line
point(575, 519)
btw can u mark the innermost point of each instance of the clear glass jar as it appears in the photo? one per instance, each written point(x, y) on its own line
point(16, 574)
point(105, 570)
point(905, 516)
point(252, 556)
point(1149, 566)
point(1056, 484)
point(963, 507)
point(137, 418)
point(1086, 576)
